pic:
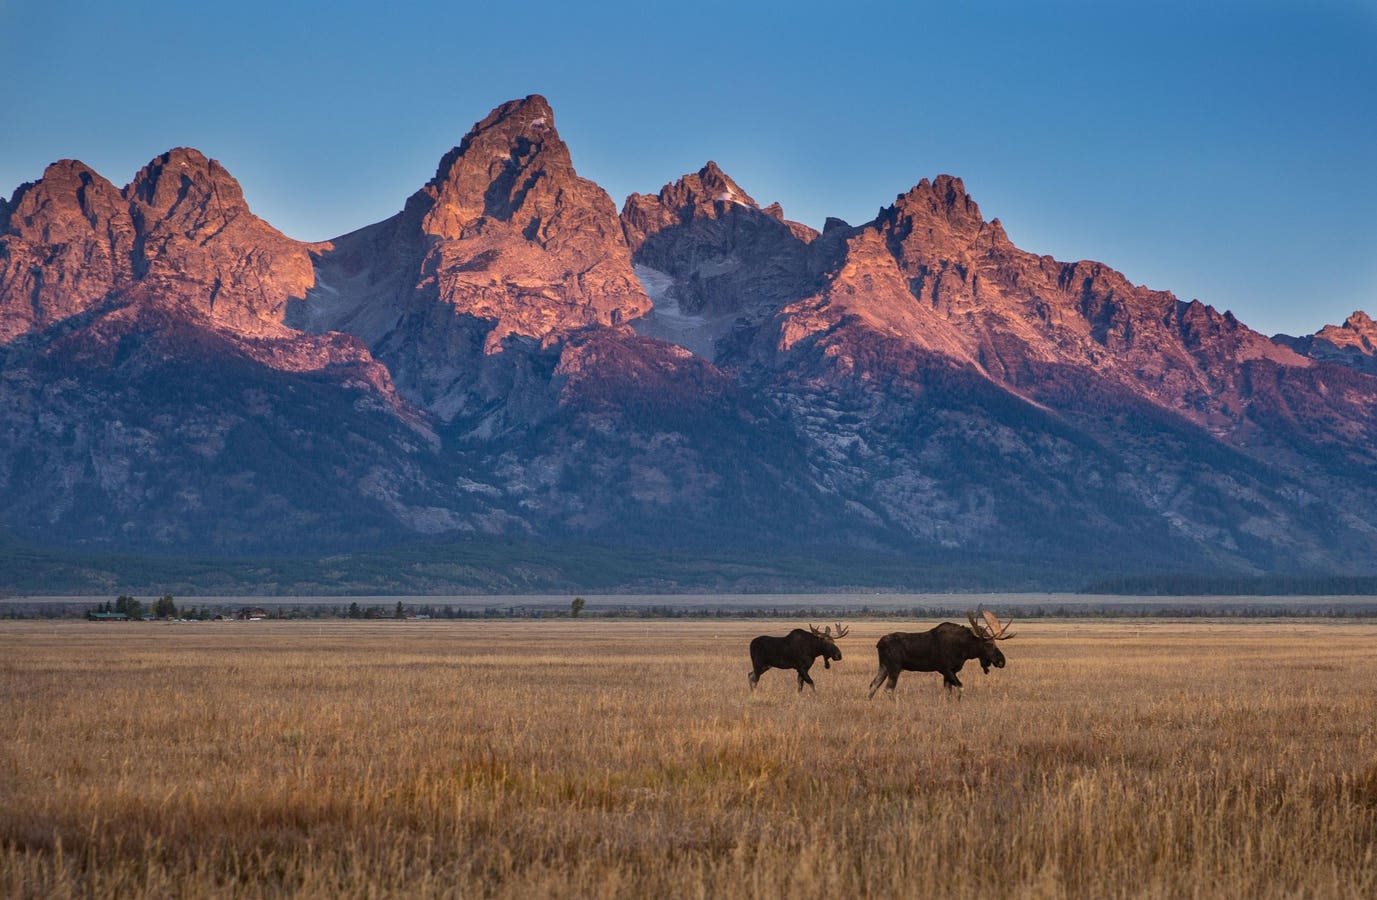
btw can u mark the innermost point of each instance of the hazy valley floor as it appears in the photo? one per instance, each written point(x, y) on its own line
point(627, 758)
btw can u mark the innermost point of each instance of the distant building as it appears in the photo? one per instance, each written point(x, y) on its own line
point(253, 613)
point(107, 617)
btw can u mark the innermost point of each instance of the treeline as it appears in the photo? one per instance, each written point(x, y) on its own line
point(956, 612)
point(1180, 585)
point(510, 567)
point(133, 609)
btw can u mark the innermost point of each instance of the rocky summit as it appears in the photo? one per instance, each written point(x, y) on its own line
point(510, 358)
point(1354, 343)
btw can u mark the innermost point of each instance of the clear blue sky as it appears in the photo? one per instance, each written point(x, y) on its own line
point(1228, 154)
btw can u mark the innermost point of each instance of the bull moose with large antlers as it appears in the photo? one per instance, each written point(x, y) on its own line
point(943, 649)
point(798, 650)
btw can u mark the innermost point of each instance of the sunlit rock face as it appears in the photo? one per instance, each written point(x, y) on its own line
point(510, 356)
point(153, 397)
point(180, 231)
point(505, 247)
point(196, 238)
point(1352, 344)
point(66, 243)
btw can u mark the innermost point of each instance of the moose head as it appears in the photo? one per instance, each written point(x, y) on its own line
point(989, 629)
point(830, 651)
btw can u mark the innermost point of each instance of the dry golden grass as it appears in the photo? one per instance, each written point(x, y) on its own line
point(602, 759)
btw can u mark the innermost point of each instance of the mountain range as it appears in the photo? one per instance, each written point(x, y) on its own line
point(509, 357)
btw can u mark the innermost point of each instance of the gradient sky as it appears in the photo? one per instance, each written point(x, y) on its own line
point(1227, 154)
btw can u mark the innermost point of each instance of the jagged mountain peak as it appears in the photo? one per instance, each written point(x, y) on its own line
point(185, 191)
point(196, 239)
point(65, 244)
point(505, 245)
point(67, 168)
point(517, 131)
point(1355, 341)
point(949, 187)
point(697, 193)
point(511, 167)
point(1359, 321)
point(62, 177)
point(530, 112)
point(1352, 344)
point(169, 178)
point(706, 196)
point(944, 198)
point(714, 256)
point(714, 185)
point(938, 219)
point(188, 157)
point(71, 196)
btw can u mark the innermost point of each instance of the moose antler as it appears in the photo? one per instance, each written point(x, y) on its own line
point(998, 632)
point(818, 631)
point(980, 628)
point(842, 631)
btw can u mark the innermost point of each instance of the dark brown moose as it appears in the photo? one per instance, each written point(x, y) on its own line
point(797, 650)
point(943, 649)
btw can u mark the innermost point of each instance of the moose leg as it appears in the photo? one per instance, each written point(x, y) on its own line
point(758, 666)
point(875, 684)
point(804, 679)
point(951, 681)
point(891, 674)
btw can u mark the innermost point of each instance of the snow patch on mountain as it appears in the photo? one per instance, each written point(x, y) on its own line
point(666, 321)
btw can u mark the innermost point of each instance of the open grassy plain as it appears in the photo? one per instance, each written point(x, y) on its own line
point(625, 758)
